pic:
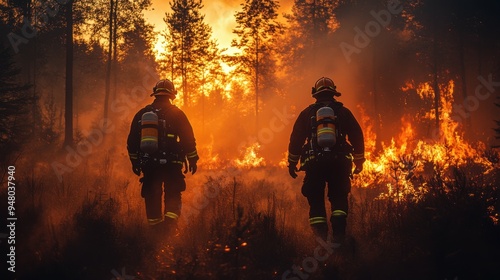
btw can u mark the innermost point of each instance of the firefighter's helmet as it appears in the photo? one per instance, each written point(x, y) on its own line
point(164, 88)
point(324, 85)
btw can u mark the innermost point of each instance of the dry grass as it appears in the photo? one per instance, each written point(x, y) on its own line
point(251, 224)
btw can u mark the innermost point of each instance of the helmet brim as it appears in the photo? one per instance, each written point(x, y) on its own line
point(164, 93)
point(327, 91)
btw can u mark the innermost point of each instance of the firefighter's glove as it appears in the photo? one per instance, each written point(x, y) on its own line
point(358, 163)
point(136, 167)
point(192, 166)
point(292, 170)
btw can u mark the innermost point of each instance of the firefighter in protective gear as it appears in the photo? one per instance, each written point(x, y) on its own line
point(162, 169)
point(333, 168)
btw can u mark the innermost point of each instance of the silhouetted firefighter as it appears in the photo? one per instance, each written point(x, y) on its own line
point(160, 142)
point(327, 139)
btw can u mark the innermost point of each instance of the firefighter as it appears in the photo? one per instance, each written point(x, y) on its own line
point(172, 138)
point(331, 166)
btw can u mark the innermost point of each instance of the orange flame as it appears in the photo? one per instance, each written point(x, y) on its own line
point(208, 159)
point(250, 157)
point(406, 155)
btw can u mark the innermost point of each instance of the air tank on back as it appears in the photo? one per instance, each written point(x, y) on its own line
point(149, 132)
point(326, 135)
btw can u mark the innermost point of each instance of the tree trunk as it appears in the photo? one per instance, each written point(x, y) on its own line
point(376, 105)
point(183, 62)
point(114, 65)
point(435, 83)
point(257, 85)
point(68, 112)
point(185, 93)
point(480, 55)
point(316, 33)
point(184, 83)
point(36, 115)
point(461, 49)
point(172, 69)
point(203, 106)
point(108, 68)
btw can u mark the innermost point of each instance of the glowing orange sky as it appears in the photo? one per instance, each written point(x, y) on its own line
point(218, 14)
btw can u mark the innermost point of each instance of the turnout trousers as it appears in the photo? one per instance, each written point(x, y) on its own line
point(335, 175)
point(163, 184)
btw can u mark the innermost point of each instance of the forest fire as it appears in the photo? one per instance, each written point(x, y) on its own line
point(209, 159)
point(205, 190)
point(401, 162)
point(407, 157)
point(250, 157)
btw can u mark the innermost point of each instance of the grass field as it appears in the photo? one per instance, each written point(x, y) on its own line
point(251, 223)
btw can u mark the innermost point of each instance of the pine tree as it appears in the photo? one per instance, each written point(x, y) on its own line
point(138, 52)
point(68, 108)
point(443, 35)
point(257, 30)
point(108, 21)
point(189, 44)
point(16, 100)
point(15, 103)
point(309, 26)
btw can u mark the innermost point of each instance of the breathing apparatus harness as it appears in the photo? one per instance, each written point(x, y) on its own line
point(326, 141)
point(159, 143)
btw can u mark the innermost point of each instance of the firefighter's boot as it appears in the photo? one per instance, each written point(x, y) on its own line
point(170, 223)
point(319, 227)
point(156, 227)
point(339, 224)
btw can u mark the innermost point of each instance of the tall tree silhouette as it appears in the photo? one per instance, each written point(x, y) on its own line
point(257, 30)
point(68, 108)
point(309, 26)
point(109, 63)
point(138, 57)
point(373, 51)
point(15, 100)
point(108, 21)
point(189, 42)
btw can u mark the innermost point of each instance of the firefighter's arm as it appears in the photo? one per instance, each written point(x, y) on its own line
point(188, 142)
point(355, 135)
point(297, 139)
point(133, 144)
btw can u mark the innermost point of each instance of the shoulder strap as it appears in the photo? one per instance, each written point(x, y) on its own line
point(313, 108)
point(148, 108)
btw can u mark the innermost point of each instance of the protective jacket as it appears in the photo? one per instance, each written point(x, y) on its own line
point(350, 133)
point(178, 127)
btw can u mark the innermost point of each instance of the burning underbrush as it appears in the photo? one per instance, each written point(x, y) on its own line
point(423, 207)
point(251, 223)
